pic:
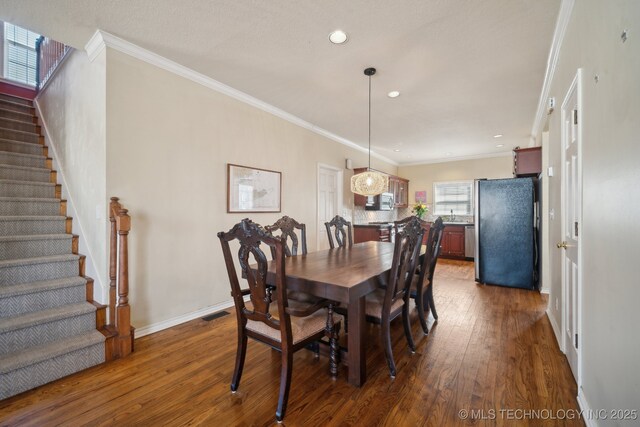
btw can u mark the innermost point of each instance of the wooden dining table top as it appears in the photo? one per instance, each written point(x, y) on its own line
point(339, 274)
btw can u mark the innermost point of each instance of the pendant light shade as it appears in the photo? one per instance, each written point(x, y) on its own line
point(370, 182)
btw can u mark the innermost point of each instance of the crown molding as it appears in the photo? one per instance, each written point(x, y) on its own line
point(102, 39)
point(552, 61)
point(459, 158)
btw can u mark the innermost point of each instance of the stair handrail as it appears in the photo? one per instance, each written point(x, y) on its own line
point(49, 56)
point(119, 309)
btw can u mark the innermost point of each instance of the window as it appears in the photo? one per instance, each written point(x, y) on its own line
point(20, 54)
point(456, 196)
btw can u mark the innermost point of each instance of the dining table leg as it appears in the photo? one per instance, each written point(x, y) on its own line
point(356, 353)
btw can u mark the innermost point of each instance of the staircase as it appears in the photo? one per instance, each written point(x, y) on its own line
point(49, 325)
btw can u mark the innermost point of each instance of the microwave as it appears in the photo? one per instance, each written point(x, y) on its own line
point(381, 202)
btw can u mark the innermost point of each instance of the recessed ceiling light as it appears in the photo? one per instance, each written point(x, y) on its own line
point(397, 150)
point(338, 37)
point(447, 154)
point(498, 135)
point(500, 145)
point(393, 94)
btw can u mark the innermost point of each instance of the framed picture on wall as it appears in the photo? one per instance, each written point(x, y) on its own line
point(253, 189)
point(421, 197)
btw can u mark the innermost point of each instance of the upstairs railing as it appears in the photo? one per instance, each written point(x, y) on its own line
point(119, 309)
point(49, 54)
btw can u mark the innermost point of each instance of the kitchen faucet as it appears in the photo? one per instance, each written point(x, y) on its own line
point(453, 217)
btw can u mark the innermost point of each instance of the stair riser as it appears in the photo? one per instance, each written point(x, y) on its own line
point(37, 272)
point(32, 376)
point(25, 109)
point(34, 248)
point(31, 227)
point(16, 100)
point(26, 190)
point(14, 115)
point(44, 333)
point(29, 208)
point(19, 136)
point(15, 125)
point(34, 162)
point(44, 300)
point(25, 175)
point(21, 148)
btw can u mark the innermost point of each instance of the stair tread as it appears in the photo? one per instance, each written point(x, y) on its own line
point(25, 143)
point(38, 260)
point(29, 199)
point(20, 131)
point(45, 316)
point(32, 156)
point(20, 359)
point(24, 168)
point(14, 103)
point(14, 120)
point(28, 117)
point(33, 217)
point(22, 237)
point(14, 181)
point(41, 285)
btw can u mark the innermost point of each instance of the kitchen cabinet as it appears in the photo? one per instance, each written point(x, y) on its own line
point(371, 233)
point(399, 187)
point(426, 226)
point(527, 161)
point(452, 245)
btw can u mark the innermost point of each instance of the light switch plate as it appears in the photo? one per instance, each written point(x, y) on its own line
point(550, 171)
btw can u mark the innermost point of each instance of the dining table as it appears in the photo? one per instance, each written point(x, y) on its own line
point(345, 275)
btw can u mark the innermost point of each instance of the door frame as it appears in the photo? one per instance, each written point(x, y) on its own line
point(577, 88)
point(339, 196)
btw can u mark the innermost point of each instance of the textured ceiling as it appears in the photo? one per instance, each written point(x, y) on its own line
point(466, 69)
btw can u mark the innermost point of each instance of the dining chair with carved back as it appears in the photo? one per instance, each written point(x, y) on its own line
point(422, 285)
point(287, 227)
point(339, 224)
point(277, 322)
point(391, 299)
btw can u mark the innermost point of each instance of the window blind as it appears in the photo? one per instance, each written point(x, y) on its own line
point(456, 196)
point(20, 54)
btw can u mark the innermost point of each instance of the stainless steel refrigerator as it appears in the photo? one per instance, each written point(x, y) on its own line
point(506, 232)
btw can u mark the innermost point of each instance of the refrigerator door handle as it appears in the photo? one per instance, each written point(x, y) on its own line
point(476, 214)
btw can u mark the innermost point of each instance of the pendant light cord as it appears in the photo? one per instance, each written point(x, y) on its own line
point(369, 122)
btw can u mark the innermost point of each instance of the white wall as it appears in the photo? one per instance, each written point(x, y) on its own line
point(72, 110)
point(168, 142)
point(611, 197)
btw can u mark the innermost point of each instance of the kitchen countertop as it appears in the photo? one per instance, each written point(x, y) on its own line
point(390, 224)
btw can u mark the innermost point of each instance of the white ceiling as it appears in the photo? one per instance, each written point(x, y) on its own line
point(466, 69)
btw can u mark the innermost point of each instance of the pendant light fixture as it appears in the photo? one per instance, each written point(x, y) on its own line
point(370, 182)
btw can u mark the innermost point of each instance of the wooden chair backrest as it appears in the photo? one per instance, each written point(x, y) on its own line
point(342, 236)
point(287, 227)
point(250, 235)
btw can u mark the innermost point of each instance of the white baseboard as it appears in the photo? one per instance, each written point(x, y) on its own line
point(586, 410)
point(556, 329)
point(545, 290)
point(166, 324)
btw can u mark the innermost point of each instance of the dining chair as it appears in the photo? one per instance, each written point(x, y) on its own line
point(278, 322)
point(422, 284)
point(287, 227)
point(392, 299)
point(339, 224)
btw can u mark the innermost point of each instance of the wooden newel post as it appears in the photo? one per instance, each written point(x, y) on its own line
point(123, 310)
point(114, 207)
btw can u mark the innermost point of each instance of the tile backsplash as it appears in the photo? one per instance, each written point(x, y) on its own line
point(362, 216)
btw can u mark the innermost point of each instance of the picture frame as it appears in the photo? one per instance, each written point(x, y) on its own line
point(421, 196)
point(252, 189)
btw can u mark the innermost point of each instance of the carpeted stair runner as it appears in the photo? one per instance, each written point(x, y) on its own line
point(48, 328)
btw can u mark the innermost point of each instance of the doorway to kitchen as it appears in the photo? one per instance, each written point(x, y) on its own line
point(329, 200)
point(571, 225)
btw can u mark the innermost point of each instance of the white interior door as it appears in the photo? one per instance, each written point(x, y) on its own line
point(329, 200)
point(571, 223)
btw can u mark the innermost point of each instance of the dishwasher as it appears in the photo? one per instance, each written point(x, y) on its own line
point(469, 241)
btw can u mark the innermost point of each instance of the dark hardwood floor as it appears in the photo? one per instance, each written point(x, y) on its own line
point(492, 350)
